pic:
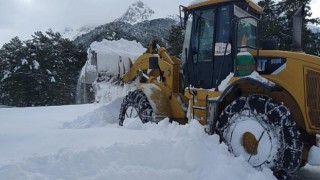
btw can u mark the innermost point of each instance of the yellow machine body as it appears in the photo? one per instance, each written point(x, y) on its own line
point(165, 95)
point(300, 88)
point(296, 85)
point(299, 81)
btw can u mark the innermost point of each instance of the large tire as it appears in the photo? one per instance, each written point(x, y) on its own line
point(136, 104)
point(279, 146)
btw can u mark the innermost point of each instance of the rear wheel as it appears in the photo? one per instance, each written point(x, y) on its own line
point(263, 132)
point(134, 105)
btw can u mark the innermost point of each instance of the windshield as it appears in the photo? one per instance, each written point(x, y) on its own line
point(203, 34)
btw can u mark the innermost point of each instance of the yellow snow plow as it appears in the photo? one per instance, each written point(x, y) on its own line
point(262, 102)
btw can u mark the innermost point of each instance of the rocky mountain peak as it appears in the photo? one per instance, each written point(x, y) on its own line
point(137, 12)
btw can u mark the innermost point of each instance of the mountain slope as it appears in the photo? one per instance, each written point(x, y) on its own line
point(72, 33)
point(137, 12)
point(134, 24)
point(141, 32)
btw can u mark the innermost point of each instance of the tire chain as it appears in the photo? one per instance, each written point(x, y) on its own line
point(288, 131)
point(139, 101)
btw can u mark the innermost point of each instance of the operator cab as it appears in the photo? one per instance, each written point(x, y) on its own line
point(210, 44)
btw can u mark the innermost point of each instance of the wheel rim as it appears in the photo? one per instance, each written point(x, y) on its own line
point(238, 132)
point(131, 112)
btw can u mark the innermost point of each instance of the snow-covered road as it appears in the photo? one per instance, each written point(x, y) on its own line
point(85, 142)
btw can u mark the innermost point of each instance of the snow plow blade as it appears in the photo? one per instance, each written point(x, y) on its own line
point(108, 61)
point(91, 72)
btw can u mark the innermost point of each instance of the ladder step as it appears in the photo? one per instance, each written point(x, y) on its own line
point(199, 108)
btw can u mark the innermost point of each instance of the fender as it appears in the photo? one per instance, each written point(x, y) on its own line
point(249, 85)
point(266, 85)
point(230, 94)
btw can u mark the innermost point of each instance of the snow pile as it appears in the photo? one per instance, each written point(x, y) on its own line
point(106, 92)
point(314, 158)
point(224, 84)
point(93, 146)
point(110, 52)
point(97, 118)
point(112, 58)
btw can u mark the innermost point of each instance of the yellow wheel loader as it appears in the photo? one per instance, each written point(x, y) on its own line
point(262, 102)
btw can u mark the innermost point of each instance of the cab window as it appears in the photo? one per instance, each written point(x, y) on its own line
point(224, 24)
point(203, 34)
point(247, 32)
point(247, 28)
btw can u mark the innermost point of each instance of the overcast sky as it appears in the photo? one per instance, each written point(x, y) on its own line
point(23, 17)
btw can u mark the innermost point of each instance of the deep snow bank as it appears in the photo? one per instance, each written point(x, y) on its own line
point(97, 118)
point(106, 91)
point(93, 146)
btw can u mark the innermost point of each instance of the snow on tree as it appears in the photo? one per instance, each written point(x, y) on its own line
point(40, 71)
point(175, 41)
point(277, 23)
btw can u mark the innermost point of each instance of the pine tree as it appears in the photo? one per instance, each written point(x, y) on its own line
point(288, 8)
point(41, 71)
point(175, 41)
point(278, 23)
point(12, 76)
point(269, 24)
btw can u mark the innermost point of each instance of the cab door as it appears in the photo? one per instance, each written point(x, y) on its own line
point(208, 63)
point(202, 40)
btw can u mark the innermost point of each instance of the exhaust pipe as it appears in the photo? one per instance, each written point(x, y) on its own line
point(297, 29)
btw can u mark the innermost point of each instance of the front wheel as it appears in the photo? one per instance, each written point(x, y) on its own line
point(134, 105)
point(263, 132)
